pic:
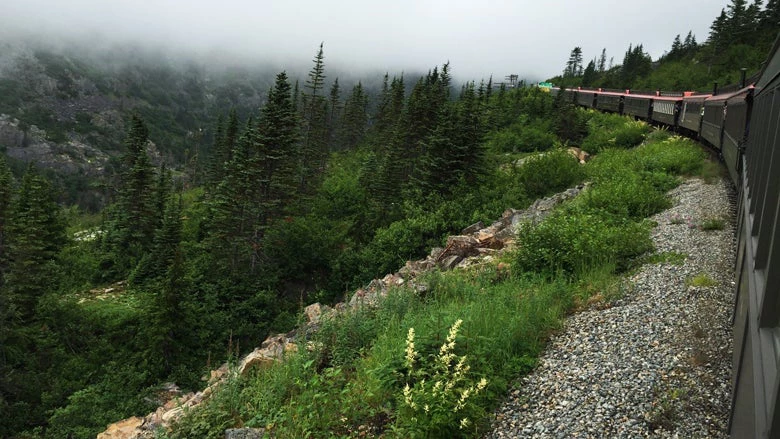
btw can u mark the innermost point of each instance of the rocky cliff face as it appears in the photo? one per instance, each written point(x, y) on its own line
point(31, 145)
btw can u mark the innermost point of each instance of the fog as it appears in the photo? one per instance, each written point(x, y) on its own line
point(479, 38)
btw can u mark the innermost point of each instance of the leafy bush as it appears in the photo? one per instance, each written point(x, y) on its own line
point(613, 131)
point(522, 137)
point(548, 173)
point(631, 135)
point(675, 155)
point(626, 196)
point(577, 241)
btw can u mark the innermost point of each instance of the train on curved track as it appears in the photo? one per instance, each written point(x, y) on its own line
point(742, 123)
point(720, 119)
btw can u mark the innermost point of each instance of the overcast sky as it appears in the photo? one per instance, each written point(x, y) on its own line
point(478, 37)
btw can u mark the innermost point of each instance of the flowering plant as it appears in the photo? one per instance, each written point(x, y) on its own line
point(438, 399)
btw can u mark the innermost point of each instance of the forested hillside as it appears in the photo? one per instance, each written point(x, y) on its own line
point(739, 37)
point(159, 220)
point(313, 194)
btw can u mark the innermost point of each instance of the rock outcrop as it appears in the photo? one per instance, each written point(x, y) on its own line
point(476, 245)
point(31, 145)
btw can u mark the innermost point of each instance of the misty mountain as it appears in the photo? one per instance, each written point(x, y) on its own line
point(65, 108)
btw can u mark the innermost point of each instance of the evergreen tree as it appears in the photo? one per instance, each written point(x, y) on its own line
point(574, 64)
point(602, 65)
point(690, 42)
point(677, 48)
point(165, 314)
point(314, 149)
point(355, 122)
point(589, 76)
point(232, 208)
point(453, 150)
point(276, 151)
point(334, 114)
point(381, 117)
point(718, 31)
point(218, 154)
point(636, 64)
point(770, 17)
point(133, 218)
point(6, 191)
point(36, 233)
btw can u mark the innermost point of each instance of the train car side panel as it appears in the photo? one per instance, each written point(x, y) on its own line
point(586, 98)
point(666, 111)
point(638, 106)
point(690, 117)
point(609, 102)
point(712, 122)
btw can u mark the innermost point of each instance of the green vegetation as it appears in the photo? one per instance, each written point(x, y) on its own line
point(375, 371)
point(191, 265)
point(708, 224)
point(701, 280)
point(740, 37)
point(672, 258)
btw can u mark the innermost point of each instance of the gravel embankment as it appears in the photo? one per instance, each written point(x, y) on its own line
point(655, 363)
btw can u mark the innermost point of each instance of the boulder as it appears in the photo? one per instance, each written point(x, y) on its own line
point(450, 262)
point(124, 429)
point(313, 313)
point(462, 245)
point(472, 228)
point(273, 349)
point(579, 154)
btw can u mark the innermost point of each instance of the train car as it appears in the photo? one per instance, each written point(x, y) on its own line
point(609, 101)
point(586, 98)
point(640, 106)
point(692, 110)
point(569, 95)
point(712, 120)
point(735, 127)
point(666, 109)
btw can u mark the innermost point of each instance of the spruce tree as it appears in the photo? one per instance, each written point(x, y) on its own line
point(6, 192)
point(134, 218)
point(314, 149)
point(589, 76)
point(36, 233)
point(218, 156)
point(355, 121)
point(276, 151)
point(334, 114)
point(602, 65)
point(166, 267)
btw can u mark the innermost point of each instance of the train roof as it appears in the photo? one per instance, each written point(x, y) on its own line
point(727, 96)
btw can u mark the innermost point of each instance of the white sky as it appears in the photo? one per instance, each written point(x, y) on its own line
point(479, 38)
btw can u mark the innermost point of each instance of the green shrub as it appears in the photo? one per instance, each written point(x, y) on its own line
point(576, 241)
point(709, 224)
point(627, 195)
point(549, 173)
point(522, 137)
point(504, 141)
point(630, 135)
point(535, 138)
point(675, 155)
point(613, 131)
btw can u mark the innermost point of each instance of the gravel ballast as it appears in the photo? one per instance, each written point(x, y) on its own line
point(657, 361)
